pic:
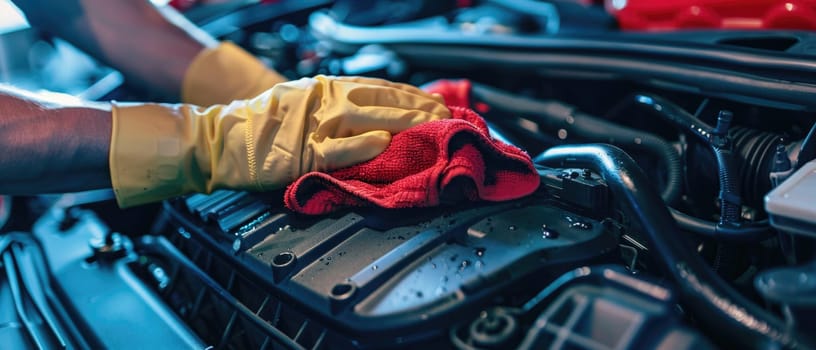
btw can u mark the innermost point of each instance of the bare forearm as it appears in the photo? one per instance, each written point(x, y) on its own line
point(50, 147)
point(151, 48)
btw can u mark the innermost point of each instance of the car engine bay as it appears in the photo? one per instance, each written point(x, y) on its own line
point(675, 207)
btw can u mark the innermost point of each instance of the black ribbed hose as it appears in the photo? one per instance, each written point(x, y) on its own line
point(555, 115)
point(729, 194)
point(727, 315)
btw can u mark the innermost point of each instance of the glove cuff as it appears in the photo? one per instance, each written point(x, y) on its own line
point(160, 151)
point(224, 74)
point(150, 159)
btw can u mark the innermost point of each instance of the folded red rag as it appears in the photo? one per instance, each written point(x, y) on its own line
point(437, 162)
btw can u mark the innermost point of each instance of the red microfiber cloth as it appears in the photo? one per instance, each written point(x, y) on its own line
point(443, 161)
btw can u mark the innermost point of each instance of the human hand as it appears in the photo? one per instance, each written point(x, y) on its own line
point(312, 124)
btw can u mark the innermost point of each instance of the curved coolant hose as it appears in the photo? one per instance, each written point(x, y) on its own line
point(556, 115)
point(728, 315)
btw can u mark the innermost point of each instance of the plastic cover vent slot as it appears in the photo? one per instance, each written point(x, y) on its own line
point(223, 307)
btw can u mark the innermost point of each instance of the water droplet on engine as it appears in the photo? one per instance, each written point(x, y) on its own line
point(512, 227)
point(577, 223)
point(464, 265)
point(433, 265)
point(419, 294)
point(581, 225)
point(479, 251)
point(548, 233)
point(374, 267)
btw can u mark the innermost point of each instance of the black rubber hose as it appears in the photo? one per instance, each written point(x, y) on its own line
point(673, 113)
point(556, 115)
point(717, 139)
point(726, 314)
point(730, 208)
point(747, 232)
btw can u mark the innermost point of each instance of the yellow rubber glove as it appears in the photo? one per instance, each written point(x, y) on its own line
point(224, 74)
point(312, 124)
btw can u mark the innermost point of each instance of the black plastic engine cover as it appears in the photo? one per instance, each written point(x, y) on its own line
point(394, 276)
